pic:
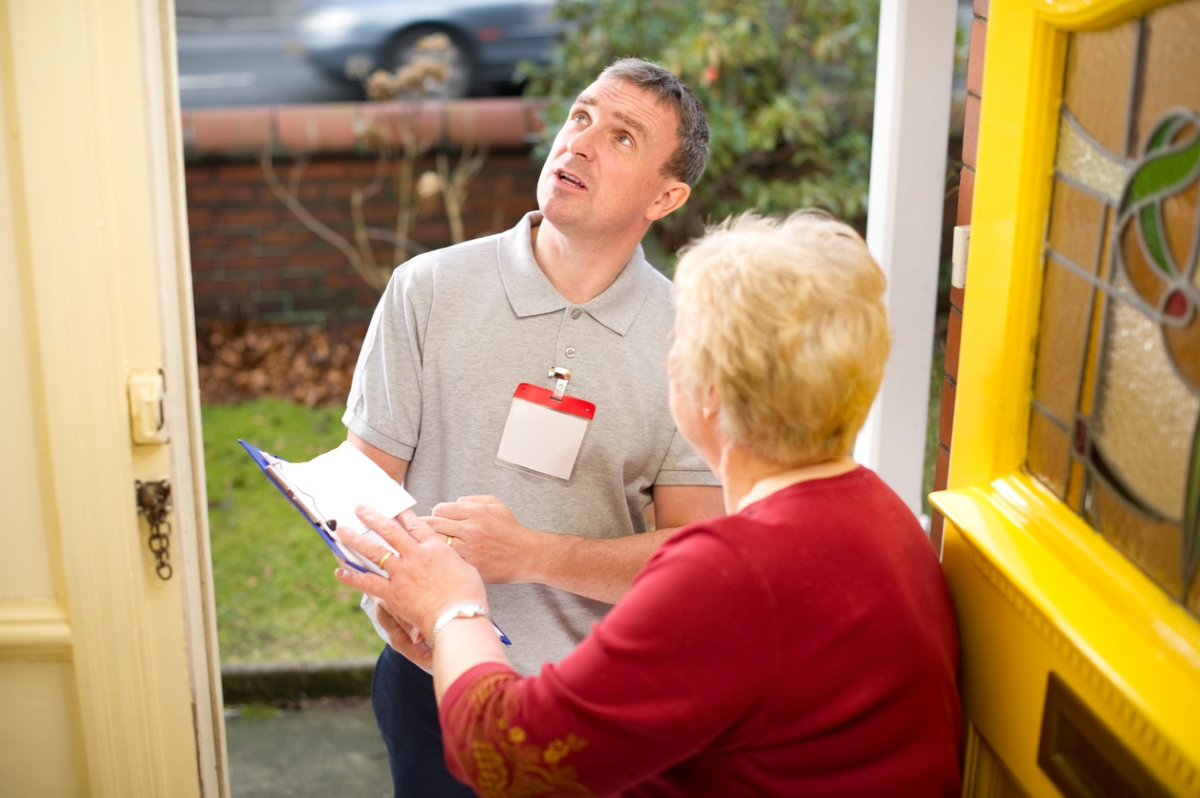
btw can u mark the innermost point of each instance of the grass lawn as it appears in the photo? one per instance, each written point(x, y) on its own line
point(275, 592)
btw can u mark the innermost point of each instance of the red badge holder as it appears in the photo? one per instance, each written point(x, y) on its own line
point(545, 430)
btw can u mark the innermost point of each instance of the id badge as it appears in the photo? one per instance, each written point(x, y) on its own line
point(544, 434)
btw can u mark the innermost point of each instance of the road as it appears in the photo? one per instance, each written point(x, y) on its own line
point(218, 68)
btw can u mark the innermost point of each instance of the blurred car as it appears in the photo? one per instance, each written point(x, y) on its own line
point(350, 39)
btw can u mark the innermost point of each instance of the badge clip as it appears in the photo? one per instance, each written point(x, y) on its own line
point(560, 387)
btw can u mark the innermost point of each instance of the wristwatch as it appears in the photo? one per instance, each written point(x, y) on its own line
point(464, 609)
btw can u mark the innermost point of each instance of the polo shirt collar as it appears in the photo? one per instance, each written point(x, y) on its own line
point(530, 293)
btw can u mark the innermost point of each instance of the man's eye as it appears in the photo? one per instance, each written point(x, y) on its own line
point(625, 139)
point(580, 118)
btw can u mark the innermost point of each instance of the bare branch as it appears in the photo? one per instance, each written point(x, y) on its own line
point(290, 200)
point(389, 236)
point(360, 230)
point(454, 186)
point(294, 177)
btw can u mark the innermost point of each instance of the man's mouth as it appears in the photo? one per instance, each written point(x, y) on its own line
point(569, 179)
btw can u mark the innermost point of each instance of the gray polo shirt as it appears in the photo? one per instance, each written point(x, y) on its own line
point(455, 333)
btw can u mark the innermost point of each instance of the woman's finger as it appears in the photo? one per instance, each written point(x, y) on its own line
point(368, 548)
point(363, 582)
point(388, 528)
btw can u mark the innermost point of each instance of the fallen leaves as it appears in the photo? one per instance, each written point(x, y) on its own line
point(311, 365)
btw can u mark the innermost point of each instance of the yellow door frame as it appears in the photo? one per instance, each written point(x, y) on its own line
point(1036, 588)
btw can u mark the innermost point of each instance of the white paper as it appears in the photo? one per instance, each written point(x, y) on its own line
point(336, 482)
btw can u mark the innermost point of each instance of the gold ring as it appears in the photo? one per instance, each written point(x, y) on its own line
point(383, 559)
point(449, 540)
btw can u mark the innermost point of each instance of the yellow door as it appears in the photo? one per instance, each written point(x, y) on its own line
point(1073, 507)
point(108, 677)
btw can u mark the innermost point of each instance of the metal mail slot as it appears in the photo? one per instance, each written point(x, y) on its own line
point(1082, 757)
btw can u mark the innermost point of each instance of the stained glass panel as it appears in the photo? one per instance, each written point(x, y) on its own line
point(1169, 75)
point(1066, 302)
point(1049, 450)
point(1099, 70)
point(1154, 545)
point(1115, 422)
point(1144, 415)
point(1075, 486)
point(1075, 220)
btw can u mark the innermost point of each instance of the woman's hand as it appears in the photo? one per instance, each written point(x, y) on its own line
point(426, 577)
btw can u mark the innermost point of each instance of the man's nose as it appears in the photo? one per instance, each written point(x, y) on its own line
point(583, 144)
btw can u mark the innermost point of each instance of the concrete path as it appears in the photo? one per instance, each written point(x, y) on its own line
point(331, 748)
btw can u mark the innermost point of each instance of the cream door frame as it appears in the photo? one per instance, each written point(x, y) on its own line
point(109, 676)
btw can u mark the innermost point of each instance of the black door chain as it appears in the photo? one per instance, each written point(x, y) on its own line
point(154, 502)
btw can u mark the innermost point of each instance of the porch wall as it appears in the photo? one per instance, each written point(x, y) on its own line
point(966, 198)
point(252, 258)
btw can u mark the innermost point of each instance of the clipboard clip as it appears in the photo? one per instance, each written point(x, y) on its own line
point(562, 375)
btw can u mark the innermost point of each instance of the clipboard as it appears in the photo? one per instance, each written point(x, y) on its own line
point(274, 469)
point(307, 506)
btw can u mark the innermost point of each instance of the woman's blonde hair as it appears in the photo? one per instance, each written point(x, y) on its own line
point(783, 319)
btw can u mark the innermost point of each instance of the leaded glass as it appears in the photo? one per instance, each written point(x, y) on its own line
point(1064, 328)
point(1049, 446)
point(1099, 68)
point(1169, 75)
point(1115, 421)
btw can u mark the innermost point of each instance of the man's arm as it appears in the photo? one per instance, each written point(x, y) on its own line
point(488, 536)
point(394, 466)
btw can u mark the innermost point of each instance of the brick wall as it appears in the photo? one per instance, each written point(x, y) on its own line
point(966, 196)
point(252, 258)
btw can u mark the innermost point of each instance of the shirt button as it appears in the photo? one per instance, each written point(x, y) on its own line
point(576, 313)
point(570, 351)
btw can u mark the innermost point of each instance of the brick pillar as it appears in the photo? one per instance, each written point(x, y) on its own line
point(966, 196)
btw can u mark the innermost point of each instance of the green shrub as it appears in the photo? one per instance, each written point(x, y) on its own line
point(788, 86)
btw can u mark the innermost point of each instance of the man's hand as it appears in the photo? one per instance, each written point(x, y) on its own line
point(403, 636)
point(425, 576)
point(425, 579)
point(487, 535)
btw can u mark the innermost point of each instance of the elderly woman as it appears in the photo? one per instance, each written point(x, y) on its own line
point(802, 645)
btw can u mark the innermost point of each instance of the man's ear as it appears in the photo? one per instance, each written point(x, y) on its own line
point(674, 195)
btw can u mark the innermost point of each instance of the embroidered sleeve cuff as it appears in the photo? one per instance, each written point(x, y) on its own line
point(459, 707)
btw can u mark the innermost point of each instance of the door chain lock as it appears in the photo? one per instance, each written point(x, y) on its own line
point(154, 502)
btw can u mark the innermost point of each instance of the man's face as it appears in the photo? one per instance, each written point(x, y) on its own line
point(604, 171)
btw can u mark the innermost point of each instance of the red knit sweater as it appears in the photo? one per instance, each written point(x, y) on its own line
point(804, 646)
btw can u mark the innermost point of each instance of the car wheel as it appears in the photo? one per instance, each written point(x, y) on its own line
point(449, 50)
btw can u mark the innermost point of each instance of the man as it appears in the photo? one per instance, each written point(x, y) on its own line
point(451, 394)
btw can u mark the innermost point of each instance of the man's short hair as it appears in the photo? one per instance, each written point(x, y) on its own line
point(691, 155)
point(784, 321)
